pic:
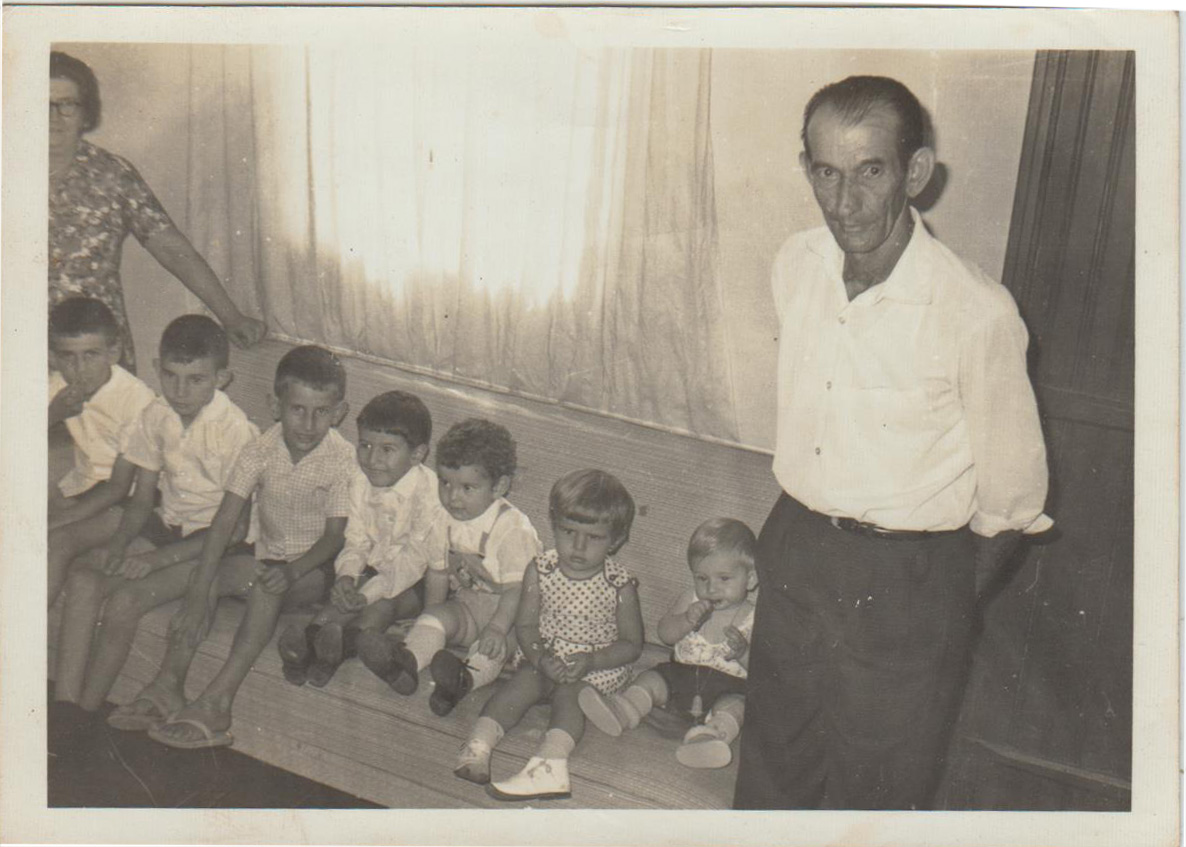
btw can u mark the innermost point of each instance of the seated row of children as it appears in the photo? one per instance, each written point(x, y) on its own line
point(179, 497)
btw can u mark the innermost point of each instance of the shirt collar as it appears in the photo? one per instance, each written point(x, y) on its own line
point(404, 487)
point(484, 521)
point(215, 410)
point(119, 377)
point(908, 282)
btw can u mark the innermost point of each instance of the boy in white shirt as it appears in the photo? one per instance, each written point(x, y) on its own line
point(99, 402)
point(393, 511)
point(474, 580)
point(184, 444)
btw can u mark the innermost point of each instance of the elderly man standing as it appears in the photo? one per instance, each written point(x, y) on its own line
point(911, 460)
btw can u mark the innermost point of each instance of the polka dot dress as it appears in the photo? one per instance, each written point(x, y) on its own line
point(581, 615)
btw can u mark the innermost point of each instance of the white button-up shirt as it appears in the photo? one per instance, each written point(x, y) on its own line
point(194, 462)
point(293, 500)
point(908, 407)
point(389, 529)
point(101, 430)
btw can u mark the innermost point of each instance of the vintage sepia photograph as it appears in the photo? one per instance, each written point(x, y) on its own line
point(650, 425)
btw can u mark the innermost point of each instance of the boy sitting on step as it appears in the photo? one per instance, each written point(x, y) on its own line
point(394, 510)
point(709, 626)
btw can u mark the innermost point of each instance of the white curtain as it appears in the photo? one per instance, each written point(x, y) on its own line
point(528, 217)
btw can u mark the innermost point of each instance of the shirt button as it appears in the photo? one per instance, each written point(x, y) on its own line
point(817, 451)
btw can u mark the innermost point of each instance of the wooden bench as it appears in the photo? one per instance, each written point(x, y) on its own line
point(358, 736)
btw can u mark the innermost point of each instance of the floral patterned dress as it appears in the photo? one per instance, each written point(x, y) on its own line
point(92, 208)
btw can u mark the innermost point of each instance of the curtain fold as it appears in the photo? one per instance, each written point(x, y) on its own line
point(532, 218)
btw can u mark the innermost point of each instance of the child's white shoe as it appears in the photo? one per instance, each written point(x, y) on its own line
point(473, 762)
point(542, 779)
point(704, 747)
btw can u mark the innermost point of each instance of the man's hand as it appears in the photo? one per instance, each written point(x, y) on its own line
point(136, 567)
point(191, 623)
point(110, 559)
point(576, 666)
point(553, 668)
point(991, 556)
point(737, 642)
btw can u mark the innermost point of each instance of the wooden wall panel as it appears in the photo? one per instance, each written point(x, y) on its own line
point(1047, 720)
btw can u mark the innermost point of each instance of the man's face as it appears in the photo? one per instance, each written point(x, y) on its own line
point(858, 177)
point(189, 386)
point(306, 413)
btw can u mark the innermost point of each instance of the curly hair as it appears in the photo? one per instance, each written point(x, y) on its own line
point(480, 442)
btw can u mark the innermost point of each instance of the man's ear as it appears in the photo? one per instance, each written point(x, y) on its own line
point(502, 486)
point(340, 414)
point(223, 378)
point(420, 454)
point(919, 170)
point(751, 581)
point(618, 544)
point(274, 406)
point(805, 164)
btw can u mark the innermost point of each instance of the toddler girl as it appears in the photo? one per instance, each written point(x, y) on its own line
point(579, 626)
point(709, 626)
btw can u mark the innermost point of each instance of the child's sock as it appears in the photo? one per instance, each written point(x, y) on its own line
point(483, 669)
point(557, 744)
point(427, 636)
point(488, 731)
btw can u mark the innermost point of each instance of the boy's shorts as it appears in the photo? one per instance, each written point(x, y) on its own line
point(330, 576)
point(479, 607)
point(161, 534)
point(684, 682)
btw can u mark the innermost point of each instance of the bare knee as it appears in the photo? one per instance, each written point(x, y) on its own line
point(84, 583)
point(128, 603)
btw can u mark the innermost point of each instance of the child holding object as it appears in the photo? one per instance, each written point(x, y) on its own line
point(709, 626)
point(393, 512)
point(579, 626)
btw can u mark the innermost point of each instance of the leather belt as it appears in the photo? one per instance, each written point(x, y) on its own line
point(873, 531)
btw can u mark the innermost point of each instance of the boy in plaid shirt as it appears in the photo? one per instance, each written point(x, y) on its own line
point(298, 471)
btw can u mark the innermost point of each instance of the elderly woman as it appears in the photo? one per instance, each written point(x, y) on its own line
point(96, 199)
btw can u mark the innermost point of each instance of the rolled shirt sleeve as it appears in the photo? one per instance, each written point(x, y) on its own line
point(1005, 433)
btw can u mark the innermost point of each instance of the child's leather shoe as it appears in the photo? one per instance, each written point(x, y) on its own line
point(296, 651)
point(473, 762)
point(327, 648)
point(453, 681)
point(704, 747)
point(387, 658)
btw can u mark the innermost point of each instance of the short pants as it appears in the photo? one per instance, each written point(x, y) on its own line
point(684, 682)
point(160, 534)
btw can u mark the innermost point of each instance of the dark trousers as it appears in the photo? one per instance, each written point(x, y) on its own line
point(858, 660)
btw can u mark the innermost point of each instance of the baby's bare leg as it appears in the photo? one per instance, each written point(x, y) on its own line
point(522, 691)
point(566, 711)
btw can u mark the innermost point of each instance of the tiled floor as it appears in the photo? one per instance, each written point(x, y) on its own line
point(103, 767)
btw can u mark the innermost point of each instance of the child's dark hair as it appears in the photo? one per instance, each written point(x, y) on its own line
point(77, 316)
point(480, 442)
point(192, 337)
point(589, 496)
point(398, 413)
point(724, 535)
point(314, 366)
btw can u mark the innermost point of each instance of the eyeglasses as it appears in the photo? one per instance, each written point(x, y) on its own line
point(65, 108)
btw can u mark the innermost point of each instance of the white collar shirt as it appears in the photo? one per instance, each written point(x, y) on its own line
point(389, 530)
point(909, 407)
point(194, 462)
point(100, 431)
